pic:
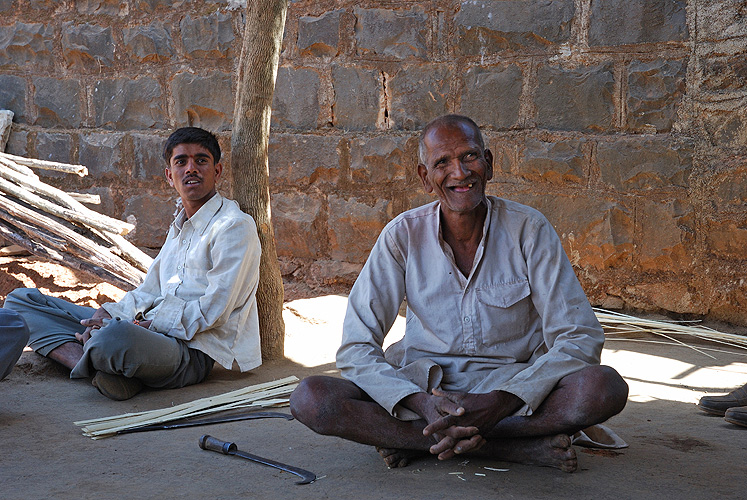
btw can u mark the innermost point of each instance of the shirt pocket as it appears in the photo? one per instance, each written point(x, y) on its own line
point(506, 311)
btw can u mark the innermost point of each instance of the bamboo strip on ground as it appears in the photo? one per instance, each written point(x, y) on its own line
point(619, 323)
point(259, 396)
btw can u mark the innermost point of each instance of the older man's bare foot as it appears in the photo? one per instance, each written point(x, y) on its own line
point(394, 457)
point(548, 451)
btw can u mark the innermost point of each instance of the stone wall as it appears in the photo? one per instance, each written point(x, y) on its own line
point(624, 121)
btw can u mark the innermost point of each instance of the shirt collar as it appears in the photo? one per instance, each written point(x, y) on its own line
point(202, 217)
point(485, 225)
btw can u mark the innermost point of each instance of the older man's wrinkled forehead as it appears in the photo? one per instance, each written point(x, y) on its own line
point(447, 121)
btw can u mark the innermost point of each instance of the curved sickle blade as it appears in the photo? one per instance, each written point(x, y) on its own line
point(213, 444)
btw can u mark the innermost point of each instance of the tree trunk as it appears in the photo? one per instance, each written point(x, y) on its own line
point(260, 54)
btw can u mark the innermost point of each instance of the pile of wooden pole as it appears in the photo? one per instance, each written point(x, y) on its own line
point(55, 225)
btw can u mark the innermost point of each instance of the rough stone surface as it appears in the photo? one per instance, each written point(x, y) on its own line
point(644, 164)
point(489, 26)
point(357, 95)
point(203, 101)
point(125, 104)
point(556, 162)
point(26, 43)
point(721, 19)
point(383, 159)
point(353, 227)
point(655, 90)
point(667, 235)
point(394, 33)
point(320, 36)
point(596, 233)
point(101, 153)
point(491, 95)
point(297, 220)
point(418, 95)
point(620, 22)
point(575, 99)
point(151, 215)
point(298, 160)
point(99, 7)
point(609, 116)
point(296, 101)
point(87, 46)
point(18, 143)
point(723, 76)
point(154, 5)
point(54, 147)
point(13, 96)
point(149, 164)
point(727, 128)
point(151, 43)
point(730, 190)
point(727, 240)
point(58, 102)
point(208, 36)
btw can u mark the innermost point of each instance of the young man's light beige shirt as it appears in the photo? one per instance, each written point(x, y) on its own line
point(202, 285)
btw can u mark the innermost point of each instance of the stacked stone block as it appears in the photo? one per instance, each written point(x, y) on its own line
point(623, 121)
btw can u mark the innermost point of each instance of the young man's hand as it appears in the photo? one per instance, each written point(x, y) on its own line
point(93, 323)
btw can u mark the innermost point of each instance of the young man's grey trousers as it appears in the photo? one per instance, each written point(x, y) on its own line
point(120, 347)
point(13, 338)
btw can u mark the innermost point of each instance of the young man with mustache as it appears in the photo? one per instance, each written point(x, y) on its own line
point(196, 305)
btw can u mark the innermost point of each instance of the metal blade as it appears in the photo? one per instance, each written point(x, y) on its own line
point(306, 476)
point(210, 443)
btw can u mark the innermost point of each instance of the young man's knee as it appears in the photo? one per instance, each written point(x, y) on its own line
point(17, 299)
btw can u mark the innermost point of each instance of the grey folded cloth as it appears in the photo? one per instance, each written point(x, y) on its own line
point(598, 436)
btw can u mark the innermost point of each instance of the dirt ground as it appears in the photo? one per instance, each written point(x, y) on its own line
point(675, 451)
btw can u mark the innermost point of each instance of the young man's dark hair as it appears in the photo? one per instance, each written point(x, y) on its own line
point(192, 135)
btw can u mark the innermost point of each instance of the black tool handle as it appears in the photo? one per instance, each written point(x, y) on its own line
point(214, 444)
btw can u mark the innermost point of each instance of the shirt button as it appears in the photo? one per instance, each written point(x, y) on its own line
point(184, 241)
point(467, 319)
point(179, 267)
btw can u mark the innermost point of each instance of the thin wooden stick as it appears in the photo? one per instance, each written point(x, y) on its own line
point(47, 165)
point(99, 222)
point(35, 185)
point(615, 322)
point(94, 252)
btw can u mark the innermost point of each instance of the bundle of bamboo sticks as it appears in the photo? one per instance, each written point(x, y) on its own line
point(55, 225)
point(617, 323)
point(270, 394)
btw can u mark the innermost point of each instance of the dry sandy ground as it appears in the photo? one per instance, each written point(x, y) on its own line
point(675, 451)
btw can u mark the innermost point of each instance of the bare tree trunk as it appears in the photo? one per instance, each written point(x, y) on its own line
point(260, 54)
